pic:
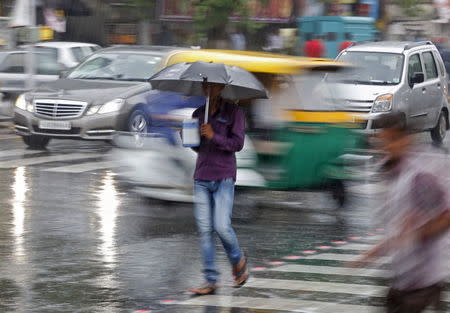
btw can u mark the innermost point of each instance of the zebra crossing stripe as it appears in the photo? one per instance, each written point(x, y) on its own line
point(319, 286)
point(47, 159)
point(8, 137)
point(331, 270)
point(372, 238)
point(285, 284)
point(280, 304)
point(84, 167)
point(342, 257)
point(355, 246)
point(17, 152)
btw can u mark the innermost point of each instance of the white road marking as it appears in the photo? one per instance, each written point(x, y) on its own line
point(47, 159)
point(18, 152)
point(6, 137)
point(354, 246)
point(83, 167)
point(341, 257)
point(279, 304)
point(331, 270)
point(320, 286)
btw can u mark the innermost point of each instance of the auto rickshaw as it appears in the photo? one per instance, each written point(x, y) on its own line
point(295, 140)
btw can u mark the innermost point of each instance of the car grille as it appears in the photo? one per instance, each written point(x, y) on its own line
point(72, 131)
point(358, 106)
point(58, 108)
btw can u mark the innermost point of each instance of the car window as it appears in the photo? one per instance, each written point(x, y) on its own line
point(78, 53)
point(14, 63)
point(439, 62)
point(47, 64)
point(94, 48)
point(430, 65)
point(414, 65)
point(371, 68)
point(3, 55)
point(49, 50)
point(118, 66)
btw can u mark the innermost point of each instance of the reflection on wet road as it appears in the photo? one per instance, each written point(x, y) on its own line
point(80, 241)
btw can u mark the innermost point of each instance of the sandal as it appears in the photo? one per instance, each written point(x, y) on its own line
point(240, 273)
point(203, 290)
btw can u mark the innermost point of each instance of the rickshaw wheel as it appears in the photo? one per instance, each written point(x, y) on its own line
point(338, 192)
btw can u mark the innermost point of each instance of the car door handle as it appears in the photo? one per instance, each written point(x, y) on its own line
point(424, 89)
point(439, 86)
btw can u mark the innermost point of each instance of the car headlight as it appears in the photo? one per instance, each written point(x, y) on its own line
point(108, 107)
point(23, 104)
point(383, 103)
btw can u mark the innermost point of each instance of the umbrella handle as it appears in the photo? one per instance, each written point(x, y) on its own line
point(207, 105)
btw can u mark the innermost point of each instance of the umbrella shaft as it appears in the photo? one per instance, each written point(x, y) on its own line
point(207, 106)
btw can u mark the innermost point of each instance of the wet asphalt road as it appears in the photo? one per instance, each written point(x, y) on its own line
point(83, 242)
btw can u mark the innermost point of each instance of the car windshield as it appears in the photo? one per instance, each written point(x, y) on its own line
point(370, 68)
point(117, 66)
point(80, 53)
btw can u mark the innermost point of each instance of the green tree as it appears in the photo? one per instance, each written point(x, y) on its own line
point(212, 17)
point(410, 7)
point(144, 8)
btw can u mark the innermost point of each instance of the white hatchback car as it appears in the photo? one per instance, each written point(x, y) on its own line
point(69, 54)
point(408, 77)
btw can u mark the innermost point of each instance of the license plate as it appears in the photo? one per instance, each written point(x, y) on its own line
point(60, 125)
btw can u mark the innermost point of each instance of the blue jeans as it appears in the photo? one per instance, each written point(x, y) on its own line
point(213, 209)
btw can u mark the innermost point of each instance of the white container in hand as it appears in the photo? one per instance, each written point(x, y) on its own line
point(191, 133)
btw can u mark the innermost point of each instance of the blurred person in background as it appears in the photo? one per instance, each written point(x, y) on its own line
point(274, 41)
point(238, 41)
point(214, 179)
point(344, 45)
point(314, 48)
point(417, 221)
point(166, 37)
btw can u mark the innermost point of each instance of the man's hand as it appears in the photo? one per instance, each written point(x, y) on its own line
point(207, 131)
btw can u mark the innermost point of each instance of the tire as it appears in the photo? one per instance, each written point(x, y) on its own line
point(338, 192)
point(439, 131)
point(138, 122)
point(36, 141)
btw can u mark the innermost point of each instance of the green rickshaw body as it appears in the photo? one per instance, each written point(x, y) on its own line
point(309, 151)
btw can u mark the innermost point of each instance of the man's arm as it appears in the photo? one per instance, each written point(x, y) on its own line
point(429, 195)
point(235, 140)
point(436, 227)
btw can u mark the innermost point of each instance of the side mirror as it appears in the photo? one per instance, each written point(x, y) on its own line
point(417, 78)
point(63, 73)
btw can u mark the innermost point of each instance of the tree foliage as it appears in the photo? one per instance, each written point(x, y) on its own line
point(144, 8)
point(410, 7)
point(211, 17)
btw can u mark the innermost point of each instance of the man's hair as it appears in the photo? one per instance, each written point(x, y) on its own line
point(392, 120)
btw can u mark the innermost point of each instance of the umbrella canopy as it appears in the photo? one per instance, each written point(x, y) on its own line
point(187, 78)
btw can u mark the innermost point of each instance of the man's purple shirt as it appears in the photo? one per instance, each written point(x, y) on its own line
point(216, 157)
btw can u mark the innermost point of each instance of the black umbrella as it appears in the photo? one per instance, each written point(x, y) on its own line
point(188, 79)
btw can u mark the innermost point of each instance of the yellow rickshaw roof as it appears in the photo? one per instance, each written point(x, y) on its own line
point(252, 61)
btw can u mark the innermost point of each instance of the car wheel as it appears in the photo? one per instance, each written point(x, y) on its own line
point(439, 131)
point(338, 192)
point(138, 122)
point(35, 141)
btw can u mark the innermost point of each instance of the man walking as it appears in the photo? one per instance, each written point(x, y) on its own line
point(417, 221)
point(214, 179)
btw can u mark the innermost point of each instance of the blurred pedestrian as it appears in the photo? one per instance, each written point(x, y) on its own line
point(238, 41)
point(417, 221)
point(344, 45)
point(165, 37)
point(275, 41)
point(214, 180)
point(314, 48)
